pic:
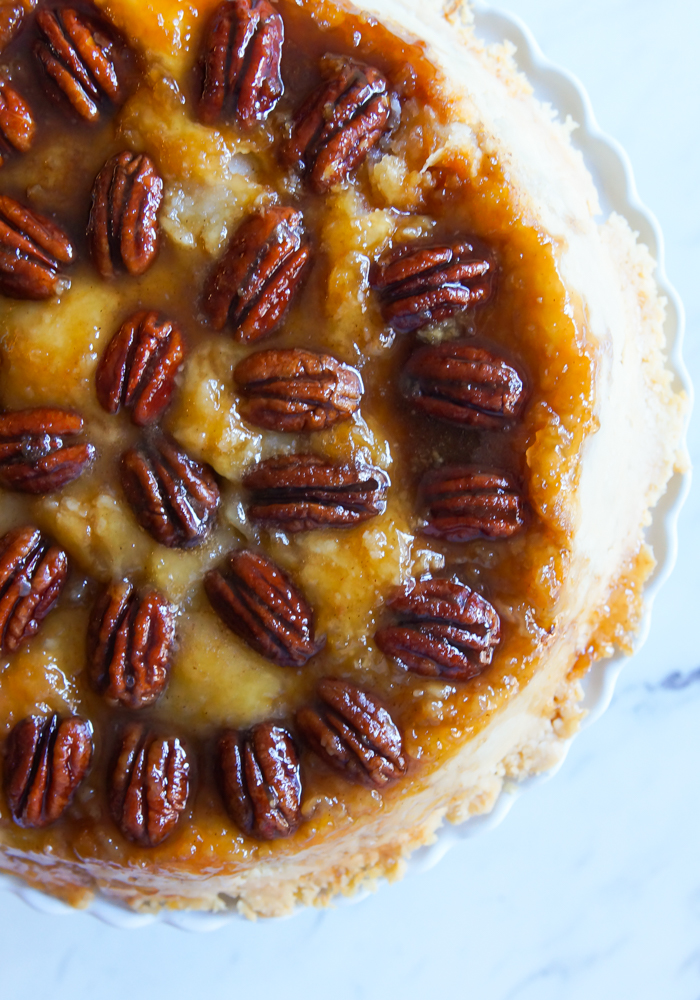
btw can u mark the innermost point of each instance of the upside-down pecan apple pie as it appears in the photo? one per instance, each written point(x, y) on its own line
point(330, 419)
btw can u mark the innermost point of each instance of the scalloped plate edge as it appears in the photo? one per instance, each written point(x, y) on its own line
point(612, 172)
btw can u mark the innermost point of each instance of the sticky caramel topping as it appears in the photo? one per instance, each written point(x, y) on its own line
point(408, 188)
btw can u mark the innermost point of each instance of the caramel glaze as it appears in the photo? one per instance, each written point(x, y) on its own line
point(529, 317)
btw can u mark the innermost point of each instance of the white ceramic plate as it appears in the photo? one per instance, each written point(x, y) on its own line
point(612, 173)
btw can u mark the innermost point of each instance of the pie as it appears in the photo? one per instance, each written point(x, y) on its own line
point(332, 417)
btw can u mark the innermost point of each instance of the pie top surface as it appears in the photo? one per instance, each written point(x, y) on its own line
point(312, 533)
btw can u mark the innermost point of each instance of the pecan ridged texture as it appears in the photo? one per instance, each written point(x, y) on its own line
point(259, 274)
point(11, 19)
point(305, 492)
point(130, 640)
point(464, 503)
point(139, 365)
point(242, 56)
point(40, 449)
point(445, 629)
point(123, 227)
point(354, 733)
point(292, 390)
point(260, 780)
point(78, 55)
point(17, 125)
point(174, 498)
point(259, 602)
point(46, 760)
point(338, 124)
point(32, 575)
point(32, 250)
point(421, 284)
point(149, 785)
point(465, 385)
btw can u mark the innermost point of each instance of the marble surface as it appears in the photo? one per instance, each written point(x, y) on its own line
point(591, 887)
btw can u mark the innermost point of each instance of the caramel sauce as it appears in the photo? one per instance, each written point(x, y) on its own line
point(529, 317)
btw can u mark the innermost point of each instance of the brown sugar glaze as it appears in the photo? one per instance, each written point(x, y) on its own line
point(529, 316)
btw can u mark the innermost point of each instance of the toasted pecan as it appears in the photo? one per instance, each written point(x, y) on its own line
point(45, 762)
point(339, 123)
point(293, 390)
point(261, 271)
point(304, 492)
point(444, 629)
point(354, 733)
point(464, 502)
point(242, 56)
point(259, 602)
point(260, 780)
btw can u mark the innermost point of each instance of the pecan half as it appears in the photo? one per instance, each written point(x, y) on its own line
point(78, 55)
point(465, 503)
point(293, 390)
point(46, 760)
point(17, 125)
point(138, 367)
point(419, 285)
point(242, 56)
point(465, 385)
point(258, 602)
point(149, 785)
point(11, 18)
point(445, 630)
point(130, 640)
point(123, 225)
point(260, 780)
point(354, 733)
point(174, 498)
point(32, 249)
point(304, 492)
point(260, 273)
point(32, 575)
point(39, 450)
point(338, 124)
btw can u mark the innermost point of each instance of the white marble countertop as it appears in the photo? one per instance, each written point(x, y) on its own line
point(591, 887)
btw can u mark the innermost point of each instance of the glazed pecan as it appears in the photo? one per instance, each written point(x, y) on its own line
point(17, 125)
point(138, 367)
point(465, 503)
point(32, 249)
point(354, 733)
point(420, 284)
point(242, 55)
point(40, 451)
point(123, 225)
point(464, 385)
point(445, 630)
point(11, 18)
point(259, 274)
point(258, 602)
point(78, 55)
point(293, 390)
point(130, 639)
point(260, 780)
point(339, 123)
point(149, 785)
point(46, 760)
point(304, 492)
point(174, 498)
point(32, 575)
